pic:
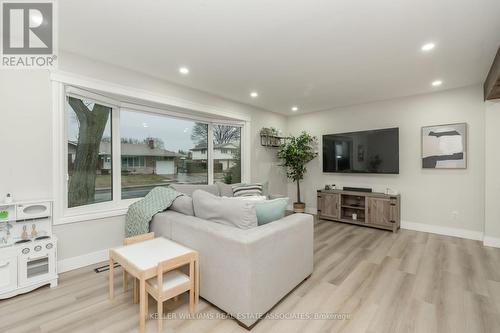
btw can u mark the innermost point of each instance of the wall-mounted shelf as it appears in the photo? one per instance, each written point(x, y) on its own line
point(271, 140)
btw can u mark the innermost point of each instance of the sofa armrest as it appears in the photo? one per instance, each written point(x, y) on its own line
point(281, 258)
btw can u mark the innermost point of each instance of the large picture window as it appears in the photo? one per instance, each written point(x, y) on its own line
point(158, 150)
point(116, 152)
point(89, 152)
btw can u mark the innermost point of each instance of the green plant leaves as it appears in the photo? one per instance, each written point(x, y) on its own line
point(295, 153)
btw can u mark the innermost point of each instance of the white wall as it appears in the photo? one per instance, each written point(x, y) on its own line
point(25, 134)
point(25, 142)
point(492, 174)
point(446, 198)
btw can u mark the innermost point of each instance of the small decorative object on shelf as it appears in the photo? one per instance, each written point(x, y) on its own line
point(271, 137)
point(24, 234)
point(34, 233)
point(8, 198)
point(390, 191)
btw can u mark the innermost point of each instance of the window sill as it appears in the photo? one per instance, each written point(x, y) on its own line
point(96, 213)
point(91, 216)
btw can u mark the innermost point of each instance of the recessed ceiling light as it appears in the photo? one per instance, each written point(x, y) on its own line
point(254, 94)
point(437, 83)
point(184, 70)
point(295, 108)
point(428, 47)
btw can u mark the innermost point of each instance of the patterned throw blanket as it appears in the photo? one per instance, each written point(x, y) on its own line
point(140, 213)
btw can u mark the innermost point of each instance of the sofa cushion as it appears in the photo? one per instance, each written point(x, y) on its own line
point(225, 190)
point(270, 210)
point(190, 188)
point(240, 190)
point(183, 204)
point(227, 211)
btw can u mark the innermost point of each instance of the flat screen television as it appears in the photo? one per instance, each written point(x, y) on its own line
point(375, 151)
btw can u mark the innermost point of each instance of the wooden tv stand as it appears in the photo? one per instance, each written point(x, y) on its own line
point(375, 210)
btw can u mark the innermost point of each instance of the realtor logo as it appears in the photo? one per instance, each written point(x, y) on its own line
point(28, 34)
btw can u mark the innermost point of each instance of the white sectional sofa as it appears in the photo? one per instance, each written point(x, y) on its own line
point(243, 272)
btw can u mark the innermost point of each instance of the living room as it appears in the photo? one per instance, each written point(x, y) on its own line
point(207, 103)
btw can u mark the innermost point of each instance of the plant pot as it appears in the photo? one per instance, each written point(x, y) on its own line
point(299, 207)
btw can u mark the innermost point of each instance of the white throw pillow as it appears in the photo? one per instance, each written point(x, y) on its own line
point(183, 204)
point(227, 211)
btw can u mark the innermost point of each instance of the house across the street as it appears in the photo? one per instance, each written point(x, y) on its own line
point(136, 158)
point(225, 154)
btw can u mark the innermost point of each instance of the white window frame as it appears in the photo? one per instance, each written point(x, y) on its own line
point(64, 85)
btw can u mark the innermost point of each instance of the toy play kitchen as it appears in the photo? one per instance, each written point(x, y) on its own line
point(28, 254)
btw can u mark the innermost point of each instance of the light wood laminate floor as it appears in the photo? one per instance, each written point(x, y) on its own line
point(404, 282)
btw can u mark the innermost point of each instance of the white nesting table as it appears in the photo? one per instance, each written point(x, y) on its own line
point(141, 260)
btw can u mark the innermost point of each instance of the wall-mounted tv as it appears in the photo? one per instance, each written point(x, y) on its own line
point(375, 151)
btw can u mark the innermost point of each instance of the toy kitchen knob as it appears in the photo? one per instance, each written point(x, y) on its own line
point(38, 248)
point(49, 246)
point(26, 250)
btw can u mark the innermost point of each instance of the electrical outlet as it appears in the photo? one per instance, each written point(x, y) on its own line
point(454, 215)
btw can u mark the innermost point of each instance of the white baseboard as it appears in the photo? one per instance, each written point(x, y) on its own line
point(447, 231)
point(70, 264)
point(491, 241)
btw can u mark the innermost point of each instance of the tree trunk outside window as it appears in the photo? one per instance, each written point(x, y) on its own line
point(81, 187)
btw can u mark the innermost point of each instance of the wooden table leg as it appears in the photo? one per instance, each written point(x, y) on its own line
point(125, 280)
point(192, 287)
point(136, 290)
point(111, 278)
point(142, 305)
point(197, 282)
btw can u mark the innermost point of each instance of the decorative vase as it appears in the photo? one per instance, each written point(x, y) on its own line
point(299, 207)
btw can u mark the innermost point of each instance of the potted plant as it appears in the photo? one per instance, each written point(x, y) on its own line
point(295, 153)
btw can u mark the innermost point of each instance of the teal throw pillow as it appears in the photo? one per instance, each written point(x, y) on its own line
point(270, 210)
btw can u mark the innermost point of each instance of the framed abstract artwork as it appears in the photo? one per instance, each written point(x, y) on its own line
point(444, 146)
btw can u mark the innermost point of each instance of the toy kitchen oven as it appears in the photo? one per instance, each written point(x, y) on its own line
point(28, 251)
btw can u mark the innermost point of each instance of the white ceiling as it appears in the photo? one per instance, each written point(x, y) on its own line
point(311, 53)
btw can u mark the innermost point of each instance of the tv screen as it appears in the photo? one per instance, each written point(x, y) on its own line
point(375, 151)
